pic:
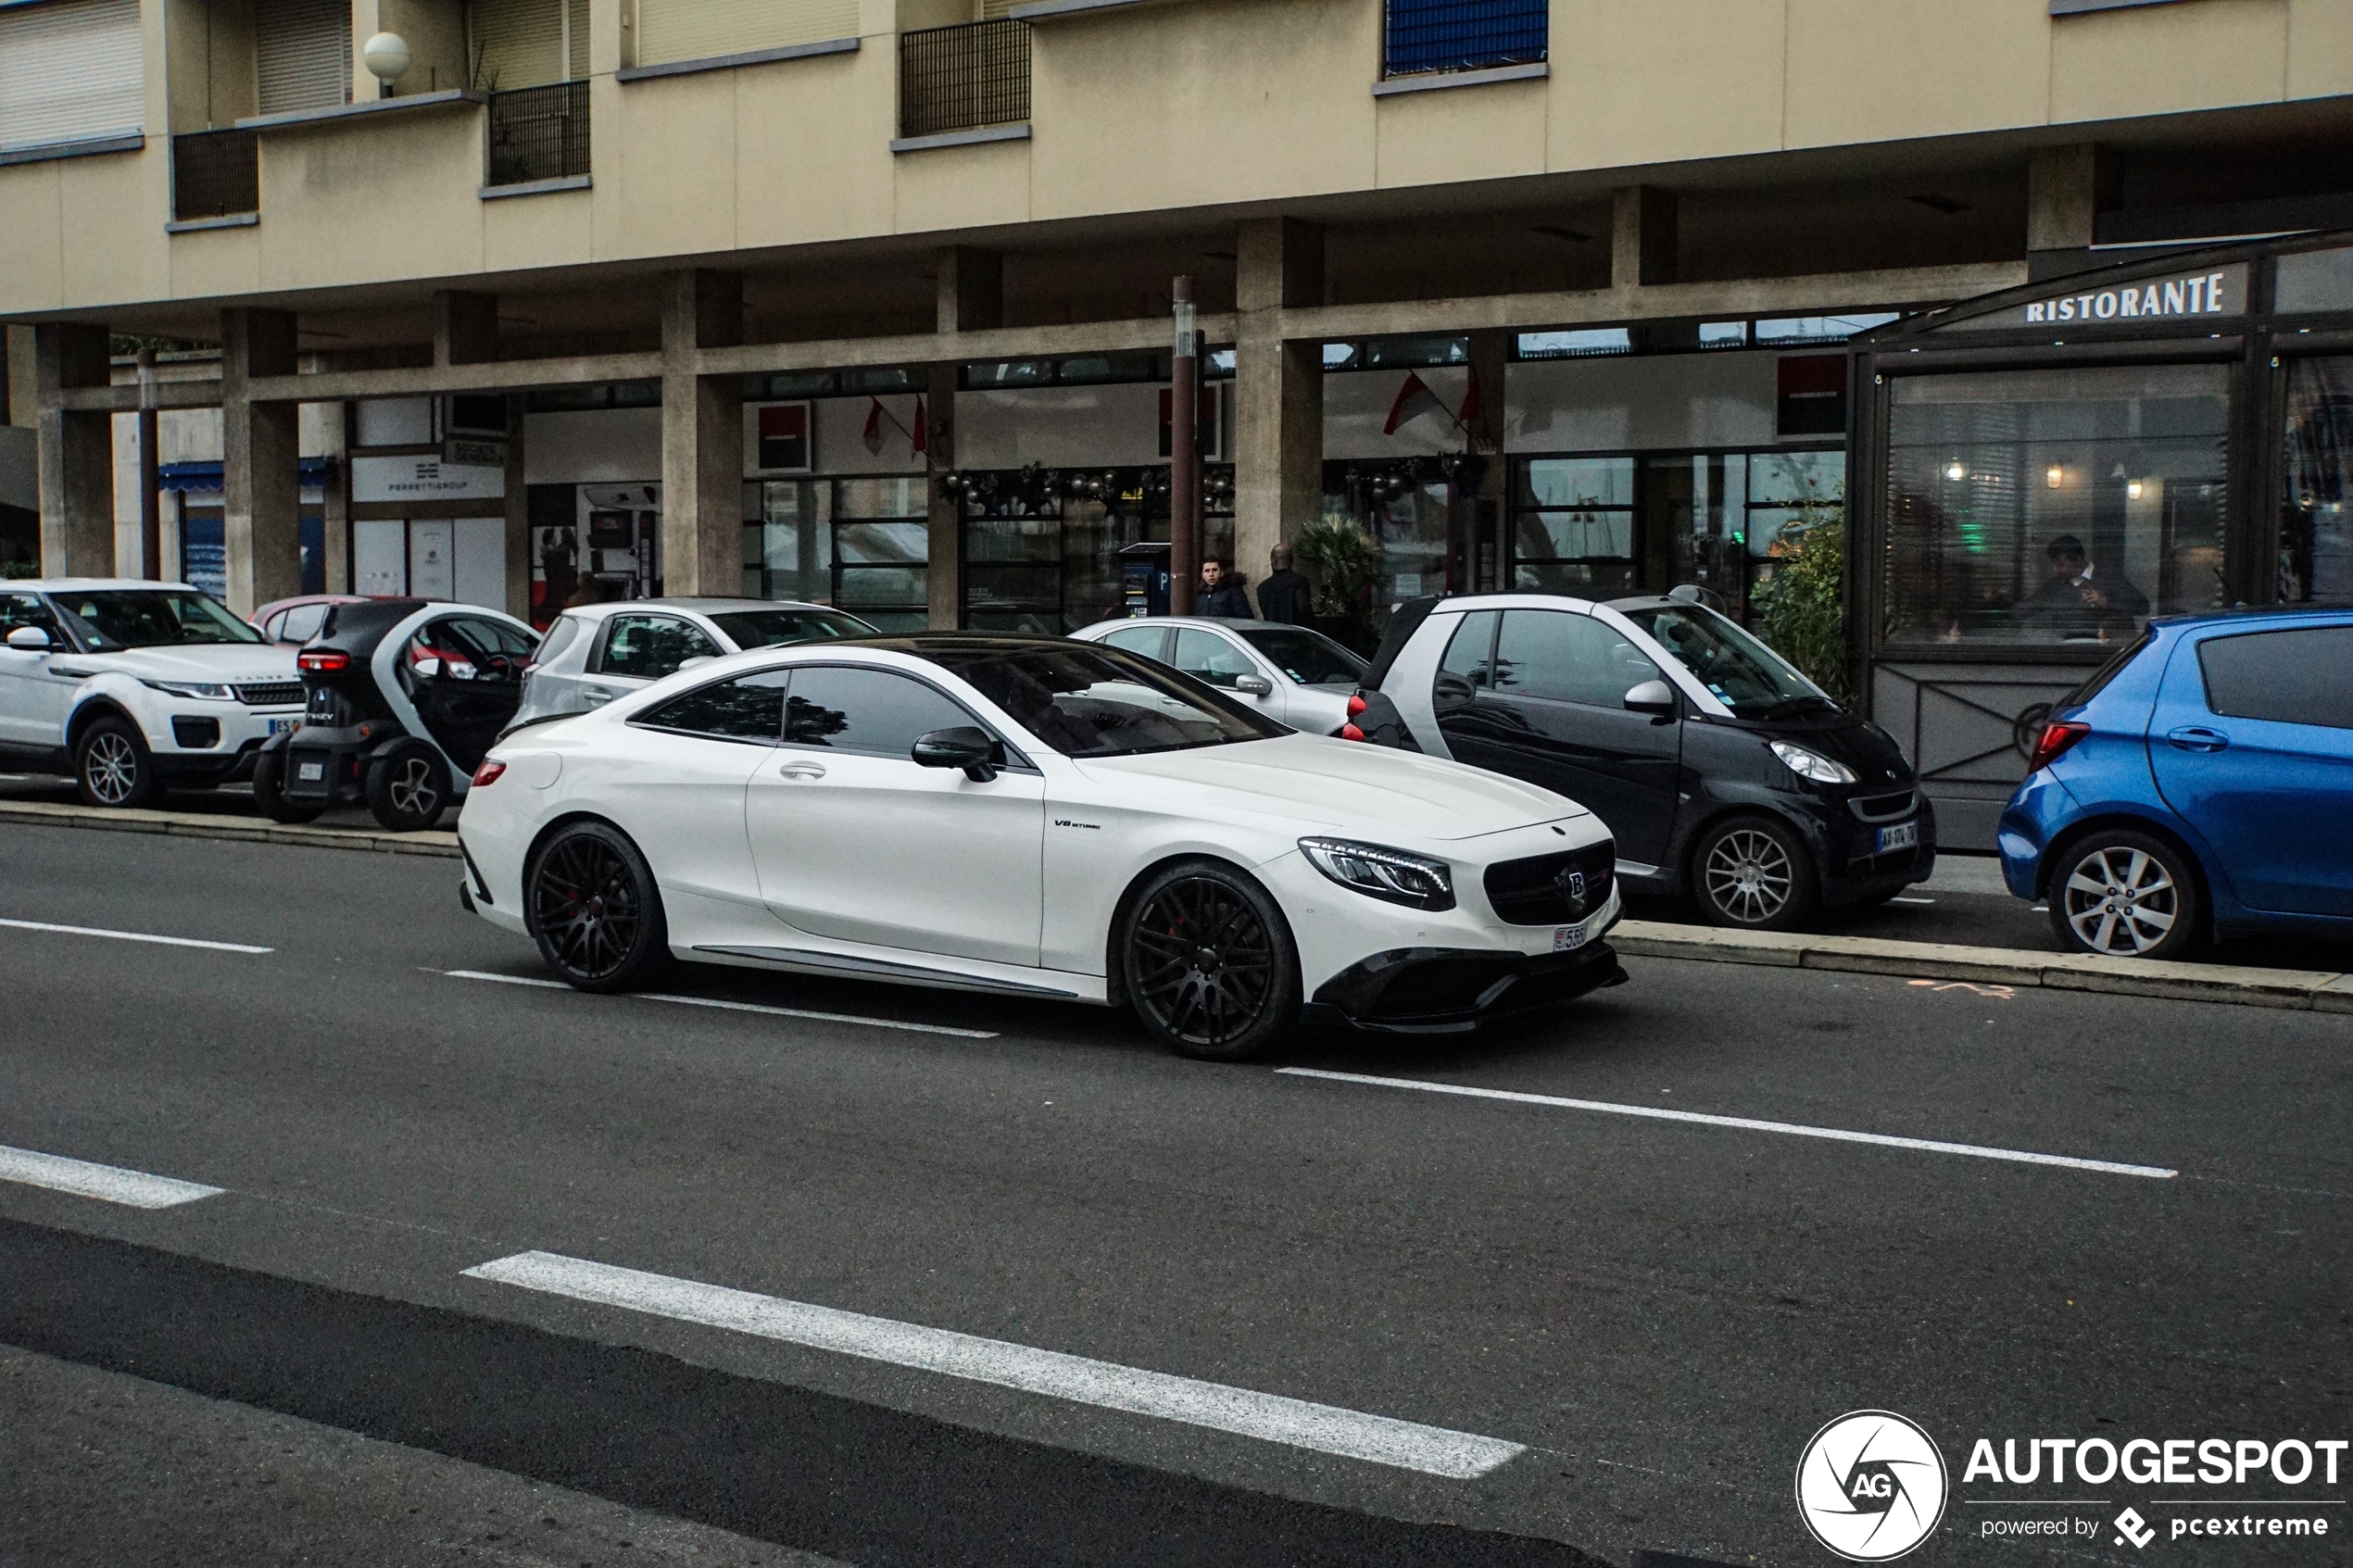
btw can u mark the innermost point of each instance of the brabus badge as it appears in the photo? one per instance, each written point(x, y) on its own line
point(1575, 883)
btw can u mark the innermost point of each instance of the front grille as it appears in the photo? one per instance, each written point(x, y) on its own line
point(277, 694)
point(1883, 808)
point(1544, 889)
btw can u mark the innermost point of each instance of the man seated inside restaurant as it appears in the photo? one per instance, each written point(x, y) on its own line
point(2076, 604)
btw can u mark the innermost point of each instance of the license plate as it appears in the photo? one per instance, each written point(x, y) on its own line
point(1903, 836)
point(310, 773)
point(285, 726)
point(1567, 939)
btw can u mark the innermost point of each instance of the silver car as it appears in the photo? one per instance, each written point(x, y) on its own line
point(1299, 676)
point(594, 653)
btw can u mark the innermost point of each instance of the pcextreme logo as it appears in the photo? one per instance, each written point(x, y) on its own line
point(1871, 1486)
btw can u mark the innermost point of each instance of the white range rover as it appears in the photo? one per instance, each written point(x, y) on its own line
point(133, 687)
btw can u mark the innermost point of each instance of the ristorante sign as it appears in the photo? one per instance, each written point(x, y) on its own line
point(2186, 297)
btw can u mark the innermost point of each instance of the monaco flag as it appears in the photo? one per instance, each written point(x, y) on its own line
point(1414, 399)
point(872, 434)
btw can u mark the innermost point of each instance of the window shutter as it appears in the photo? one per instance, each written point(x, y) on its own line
point(304, 56)
point(697, 29)
point(990, 10)
point(518, 43)
point(71, 72)
point(576, 64)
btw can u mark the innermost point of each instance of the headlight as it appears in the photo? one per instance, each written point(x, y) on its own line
point(1812, 764)
point(1384, 873)
point(193, 688)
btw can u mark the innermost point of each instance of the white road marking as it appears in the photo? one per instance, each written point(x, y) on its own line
point(110, 1183)
point(737, 1006)
point(1747, 1123)
point(133, 936)
point(1380, 1439)
point(1911, 900)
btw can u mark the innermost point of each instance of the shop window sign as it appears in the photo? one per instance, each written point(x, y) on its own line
point(783, 438)
point(2184, 298)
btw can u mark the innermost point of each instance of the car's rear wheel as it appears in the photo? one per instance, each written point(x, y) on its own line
point(2126, 895)
point(408, 786)
point(113, 767)
point(1208, 962)
point(594, 909)
point(269, 791)
point(1754, 873)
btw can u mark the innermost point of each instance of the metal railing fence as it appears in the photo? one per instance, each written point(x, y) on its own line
point(215, 174)
point(1426, 35)
point(538, 133)
point(963, 77)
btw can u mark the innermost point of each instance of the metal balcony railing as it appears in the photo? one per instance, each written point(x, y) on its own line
point(538, 133)
point(215, 174)
point(961, 78)
point(1426, 35)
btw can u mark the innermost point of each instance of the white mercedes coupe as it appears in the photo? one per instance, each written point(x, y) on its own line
point(1036, 817)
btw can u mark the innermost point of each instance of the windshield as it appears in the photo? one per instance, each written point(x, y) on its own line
point(1745, 675)
point(1085, 700)
point(106, 620)
point(1310, 659)
point(773, 628)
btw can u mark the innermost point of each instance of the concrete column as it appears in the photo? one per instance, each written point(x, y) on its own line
point(518, 515)
point(261, 461)
point(1642, 236)
point(702, 436)
point(946, 534)
point(2067, 188)
point(972, 289)
point(21, 391)
point(1487, 502)
point(465, 328)
point(334, 510)
point(1277, 390)
point(76, 454)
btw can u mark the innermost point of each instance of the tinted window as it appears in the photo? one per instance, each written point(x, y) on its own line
point(874, 711)
point(496, 636)
point(1569, 658)
point(649, 647)
point(1147, 639)
point(1745, 676)
point(2285, 677)
point(1205, 656)
point(25, 610)
point(748, 708)
point(147, 618)
point(1309, 659)
point(774, 628)
point(1090, 701)
point(300, 623)
point(1473, 641)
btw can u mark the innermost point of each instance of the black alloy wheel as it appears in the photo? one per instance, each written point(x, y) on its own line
point(1208, 962)
point(594, 909)
point(1752, 874)
point(270, 790)
point(113, 767)
point(408, 786)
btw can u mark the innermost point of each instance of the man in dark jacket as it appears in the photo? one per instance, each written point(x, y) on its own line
point(1221, 593)
point(1286, 595)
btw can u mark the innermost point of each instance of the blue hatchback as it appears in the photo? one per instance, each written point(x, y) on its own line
point(2200, 784)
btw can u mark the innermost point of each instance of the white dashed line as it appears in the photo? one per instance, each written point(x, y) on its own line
point(735, 1007)
point(108, 1184)
point(1911, 900)
point(1380, 1439)
point(1747, 1123)
point(133, 937)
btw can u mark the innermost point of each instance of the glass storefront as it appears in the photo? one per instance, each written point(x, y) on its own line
point(860, 543)
point(1050, 552)
point(2316, 514)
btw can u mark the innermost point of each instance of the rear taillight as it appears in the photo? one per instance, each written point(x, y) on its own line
point(325, 661)
point(488, 773)
point(1350, 732)
point(1356, 704)
point(2054, 742)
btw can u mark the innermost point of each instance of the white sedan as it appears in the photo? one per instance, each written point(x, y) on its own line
point(1291, 673)
point(1039, 818)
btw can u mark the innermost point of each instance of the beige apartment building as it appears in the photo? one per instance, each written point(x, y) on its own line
point(869, 300)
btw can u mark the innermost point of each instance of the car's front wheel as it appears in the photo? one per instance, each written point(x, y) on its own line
point(407, 787)
point(2126, 895)
point(594, 909)
point(1208, 963)
point(1752, 874)
point(113, 767)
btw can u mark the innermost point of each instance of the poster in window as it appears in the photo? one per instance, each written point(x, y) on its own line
point(783, 434)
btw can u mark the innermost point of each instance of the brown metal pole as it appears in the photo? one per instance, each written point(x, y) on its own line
point(1184, 456)
point(150, 474)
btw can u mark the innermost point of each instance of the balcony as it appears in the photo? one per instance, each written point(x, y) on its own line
point(538, 137)
point(216, 176)
point(958, 80)
point(1425, 36)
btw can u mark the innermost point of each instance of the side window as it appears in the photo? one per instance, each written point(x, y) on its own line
point(1207, 656)
point(300, 623)
point(1567, 658)
point(750, 707)
point(874, 711)
point(25, 610)
point(1466, 654)
point(1146, 639)
point(649, 647)
point(559, 637)
point(2285, 677)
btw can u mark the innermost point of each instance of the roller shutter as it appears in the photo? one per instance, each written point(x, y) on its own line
point(74, 71)
point(304, 56)
point(697, 29)
point(517, 43)
point(990, 10)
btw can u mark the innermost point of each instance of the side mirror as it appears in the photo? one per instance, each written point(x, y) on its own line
point(1451, 691)
point(1253, 685)
point(29, 639)
point(1654, 697)
point(966, 747)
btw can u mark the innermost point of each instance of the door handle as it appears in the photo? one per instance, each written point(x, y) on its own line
point(800, 771)
point(597, 695)
point(2198, 737)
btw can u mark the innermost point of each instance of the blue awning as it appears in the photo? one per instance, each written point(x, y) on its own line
point(207, 476)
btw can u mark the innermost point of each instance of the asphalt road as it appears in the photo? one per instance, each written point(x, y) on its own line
point(1645, 1318)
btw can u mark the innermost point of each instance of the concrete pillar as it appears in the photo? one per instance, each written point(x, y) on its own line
point(972, 289)
point(2067, 188)
point(946, 534)
point(1277, 390)
point(334, 510)
point(1642, 236)
point(21, 390)
point(76, 454)
point(261, 461)
point(702, 436)
point(1486, 508)
point(518, 515)
point(465, 328)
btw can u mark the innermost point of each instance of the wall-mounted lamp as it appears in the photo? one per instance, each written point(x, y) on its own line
point(386, 57)
point(2132, 489)
point(1955, 472)
point(2054, 476)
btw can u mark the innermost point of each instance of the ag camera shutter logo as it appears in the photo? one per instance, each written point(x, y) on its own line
point(1871, 1486)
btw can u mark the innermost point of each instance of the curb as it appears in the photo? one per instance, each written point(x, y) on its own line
point(189, 824)
point(2298, 989)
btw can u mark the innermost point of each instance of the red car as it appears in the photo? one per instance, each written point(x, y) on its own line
point(296, 621)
